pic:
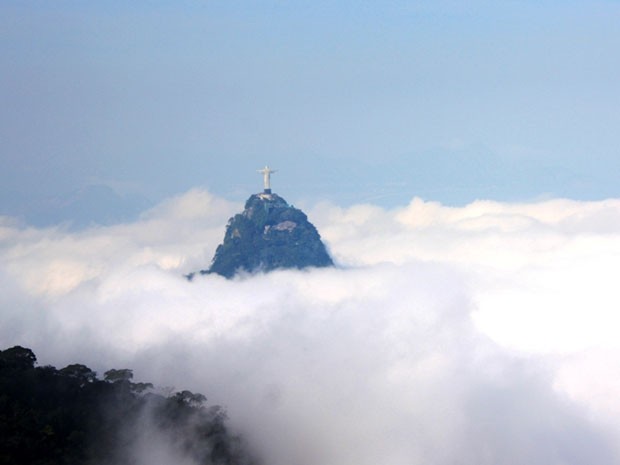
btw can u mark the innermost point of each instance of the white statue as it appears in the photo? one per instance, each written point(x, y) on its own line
point(266, 172)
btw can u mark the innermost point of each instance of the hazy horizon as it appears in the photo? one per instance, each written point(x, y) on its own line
point(109, 108)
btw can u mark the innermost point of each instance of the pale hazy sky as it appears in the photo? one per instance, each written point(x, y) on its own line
point(352, 102)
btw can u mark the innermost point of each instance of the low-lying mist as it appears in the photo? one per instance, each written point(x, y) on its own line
point(477, 335)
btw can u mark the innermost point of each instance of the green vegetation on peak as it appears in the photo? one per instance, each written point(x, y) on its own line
point(269, 234)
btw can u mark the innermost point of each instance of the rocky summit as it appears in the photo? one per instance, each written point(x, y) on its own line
point(269, 234)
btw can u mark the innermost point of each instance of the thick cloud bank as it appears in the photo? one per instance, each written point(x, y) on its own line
point(475, 335)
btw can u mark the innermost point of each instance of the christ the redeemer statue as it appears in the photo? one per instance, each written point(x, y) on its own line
point(266, 172)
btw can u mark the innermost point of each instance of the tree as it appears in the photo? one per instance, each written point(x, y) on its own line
point(118, 376)
point(17, 358)
point(82, 373)
point(69, 417)
point(190, 398)
point(139, 388)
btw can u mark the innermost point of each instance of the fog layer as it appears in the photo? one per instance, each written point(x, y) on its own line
point(475, 335)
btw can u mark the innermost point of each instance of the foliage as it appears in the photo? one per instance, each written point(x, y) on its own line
point(70, 417)
point(118, 376)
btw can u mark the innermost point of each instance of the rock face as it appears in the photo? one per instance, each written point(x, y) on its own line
point(269, 234)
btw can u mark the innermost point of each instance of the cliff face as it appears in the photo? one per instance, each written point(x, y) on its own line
point(269, 234)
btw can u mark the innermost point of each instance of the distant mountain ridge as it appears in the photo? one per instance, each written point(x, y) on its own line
point(269, 234)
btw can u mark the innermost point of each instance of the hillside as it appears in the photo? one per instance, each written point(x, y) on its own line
point(70, 416)
point(269, 234)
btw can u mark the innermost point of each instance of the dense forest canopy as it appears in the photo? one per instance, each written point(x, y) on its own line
point(70, 416)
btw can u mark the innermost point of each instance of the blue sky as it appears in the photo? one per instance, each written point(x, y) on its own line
point(108, 108)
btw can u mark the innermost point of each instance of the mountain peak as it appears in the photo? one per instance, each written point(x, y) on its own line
point(269, 234)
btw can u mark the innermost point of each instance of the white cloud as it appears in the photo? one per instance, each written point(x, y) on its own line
point(179, 234)
point(447, 335)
